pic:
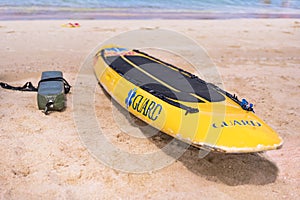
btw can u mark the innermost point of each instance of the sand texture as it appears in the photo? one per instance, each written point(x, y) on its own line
point(42, 157)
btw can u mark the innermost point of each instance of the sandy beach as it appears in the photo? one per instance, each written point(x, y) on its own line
point(42, 157)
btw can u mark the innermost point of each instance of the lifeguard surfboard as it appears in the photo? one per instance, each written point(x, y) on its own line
point(180, 104)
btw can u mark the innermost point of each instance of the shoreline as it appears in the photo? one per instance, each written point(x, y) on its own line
point(143, 14)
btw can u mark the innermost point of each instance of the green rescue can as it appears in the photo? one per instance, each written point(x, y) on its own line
point(51, 91)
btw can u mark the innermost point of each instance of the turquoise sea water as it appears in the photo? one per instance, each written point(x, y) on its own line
point(131, 9)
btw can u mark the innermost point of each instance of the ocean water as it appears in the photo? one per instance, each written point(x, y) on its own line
point(95, 9)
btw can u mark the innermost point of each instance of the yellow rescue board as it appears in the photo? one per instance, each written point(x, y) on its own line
point(209, 118)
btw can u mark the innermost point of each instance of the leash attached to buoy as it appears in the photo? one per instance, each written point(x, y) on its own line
point(51, 91)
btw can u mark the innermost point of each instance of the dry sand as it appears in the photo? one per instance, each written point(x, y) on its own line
point(42, 157)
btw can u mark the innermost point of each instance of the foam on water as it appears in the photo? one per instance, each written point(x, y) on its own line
point(143, 9)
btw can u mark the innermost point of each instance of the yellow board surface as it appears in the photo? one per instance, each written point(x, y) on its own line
point(220, 126)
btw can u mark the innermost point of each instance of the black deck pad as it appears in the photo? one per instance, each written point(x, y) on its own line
point(162, 79)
